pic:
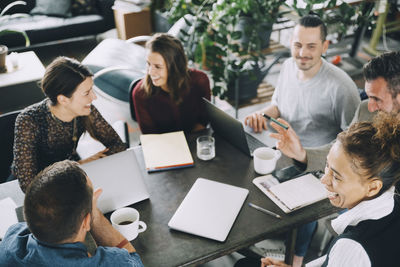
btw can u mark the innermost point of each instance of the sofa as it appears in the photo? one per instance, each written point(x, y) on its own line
point(46, 21)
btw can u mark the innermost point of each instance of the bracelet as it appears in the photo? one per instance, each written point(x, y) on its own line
point(123, 243)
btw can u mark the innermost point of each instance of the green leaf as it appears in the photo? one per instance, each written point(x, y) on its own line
point(236, 35)
point(27, 40)
point(188, 22)
point(184, 32)
point(197, 2)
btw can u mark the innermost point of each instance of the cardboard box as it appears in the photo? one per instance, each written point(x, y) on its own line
point(130, 24)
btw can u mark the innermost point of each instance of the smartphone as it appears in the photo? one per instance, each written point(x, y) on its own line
point(286, 173)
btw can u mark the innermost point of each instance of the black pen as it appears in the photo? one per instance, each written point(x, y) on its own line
point(274, 120)
point(265, 211)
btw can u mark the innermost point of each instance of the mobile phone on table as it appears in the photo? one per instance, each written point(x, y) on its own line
point(286, 173)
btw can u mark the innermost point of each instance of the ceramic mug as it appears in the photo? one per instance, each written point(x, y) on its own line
point(126, 221)
point(265, 159)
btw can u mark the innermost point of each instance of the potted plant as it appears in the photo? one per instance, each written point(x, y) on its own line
point(3, 31)
point(224, 37)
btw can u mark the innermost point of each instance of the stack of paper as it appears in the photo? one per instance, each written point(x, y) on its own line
point(8, 215)
point(165, 151)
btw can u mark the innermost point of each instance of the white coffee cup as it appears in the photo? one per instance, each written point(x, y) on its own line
point(126, 221)
point(265, 159)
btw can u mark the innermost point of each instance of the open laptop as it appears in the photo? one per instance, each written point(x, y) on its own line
point(232, 130)
point(209, 209)
point(119, 175)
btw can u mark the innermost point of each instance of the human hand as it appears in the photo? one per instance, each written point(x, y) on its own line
point(95, 211)
point(98, 155)
point(288, 142)
point(256, 121)
point(270, 262)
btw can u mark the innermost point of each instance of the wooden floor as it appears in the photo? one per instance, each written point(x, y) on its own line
point(264, 94)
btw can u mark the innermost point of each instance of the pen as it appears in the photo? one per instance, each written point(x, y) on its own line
point(274, 120)
point(265, 211)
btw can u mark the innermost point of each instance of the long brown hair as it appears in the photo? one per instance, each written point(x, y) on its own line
point(374, 148)
point(174, 56)
point(62, 77)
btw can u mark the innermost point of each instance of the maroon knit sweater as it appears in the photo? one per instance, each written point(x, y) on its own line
point(159, 114)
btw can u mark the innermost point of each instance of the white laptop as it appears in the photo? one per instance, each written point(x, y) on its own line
point(119, 175)
point(209, 209)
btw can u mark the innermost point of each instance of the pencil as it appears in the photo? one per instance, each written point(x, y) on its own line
point(265, 211)
point(274, 120)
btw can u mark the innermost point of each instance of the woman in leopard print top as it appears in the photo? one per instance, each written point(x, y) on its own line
point(48, 131)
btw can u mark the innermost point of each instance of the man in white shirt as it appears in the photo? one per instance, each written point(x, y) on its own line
point(317, 98)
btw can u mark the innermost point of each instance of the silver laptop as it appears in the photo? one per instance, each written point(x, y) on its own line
point(232, 130)
point(119, 175)
point(209, 209)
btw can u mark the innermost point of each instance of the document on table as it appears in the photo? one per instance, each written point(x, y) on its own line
point(166, 151)
point(293, 194)
point(8, 215)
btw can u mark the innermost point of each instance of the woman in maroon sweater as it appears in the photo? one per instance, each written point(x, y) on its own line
point(169, 98)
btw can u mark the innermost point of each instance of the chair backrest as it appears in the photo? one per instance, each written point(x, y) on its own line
point(131, 104)
point(7, 122)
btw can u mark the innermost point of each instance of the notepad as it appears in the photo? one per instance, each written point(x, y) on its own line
point(293, 194)
point(8, 215)
point(165, 151)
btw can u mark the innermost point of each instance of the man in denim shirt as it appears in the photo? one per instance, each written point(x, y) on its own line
point(60, 208)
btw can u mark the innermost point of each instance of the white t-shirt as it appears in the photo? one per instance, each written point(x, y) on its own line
point(319, 108)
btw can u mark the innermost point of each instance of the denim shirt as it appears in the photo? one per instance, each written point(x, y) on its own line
point(20, 248)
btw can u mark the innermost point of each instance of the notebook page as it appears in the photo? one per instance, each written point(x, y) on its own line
point(165, 150)
point(264, 183)
point(300, 191)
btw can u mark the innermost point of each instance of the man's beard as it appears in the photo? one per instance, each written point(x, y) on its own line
point(304, 67)
point(396, 106)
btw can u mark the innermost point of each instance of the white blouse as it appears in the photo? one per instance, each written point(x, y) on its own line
point(347, 252)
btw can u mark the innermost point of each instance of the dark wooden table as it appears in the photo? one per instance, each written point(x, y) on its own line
point(161, 246)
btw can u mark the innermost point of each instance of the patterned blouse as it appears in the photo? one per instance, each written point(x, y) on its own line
point(41, 139)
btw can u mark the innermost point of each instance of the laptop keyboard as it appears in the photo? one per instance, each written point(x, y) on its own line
point(253, 142)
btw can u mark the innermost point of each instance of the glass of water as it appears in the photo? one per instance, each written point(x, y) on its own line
point(205, 147)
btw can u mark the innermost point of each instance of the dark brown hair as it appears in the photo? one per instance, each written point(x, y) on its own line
point(313, 21)
point(57, 201)
point(175, 59)
point(386, 66)
point(374, 148)
point(62, 77)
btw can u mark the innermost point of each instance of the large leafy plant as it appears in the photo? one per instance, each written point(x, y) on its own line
point(224, 36)
point(339, 16)
point(4, 18)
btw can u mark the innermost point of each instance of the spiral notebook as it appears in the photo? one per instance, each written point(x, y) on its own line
point(293, 194)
